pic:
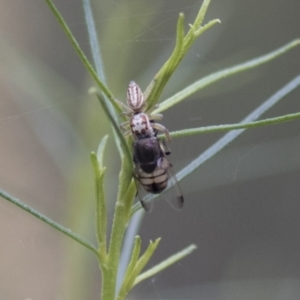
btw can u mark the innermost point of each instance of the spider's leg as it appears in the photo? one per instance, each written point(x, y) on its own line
point(156, 117)
point(165, 147)
point(163, 129)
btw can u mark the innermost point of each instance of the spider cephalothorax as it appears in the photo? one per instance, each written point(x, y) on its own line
point(142, 123)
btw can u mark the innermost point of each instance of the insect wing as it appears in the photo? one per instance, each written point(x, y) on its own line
point(175, 197)
point(147, 204)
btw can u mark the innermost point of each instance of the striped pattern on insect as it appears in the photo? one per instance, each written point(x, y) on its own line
point(153, 170)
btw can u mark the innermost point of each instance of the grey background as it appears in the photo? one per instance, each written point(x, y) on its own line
point(242, 207)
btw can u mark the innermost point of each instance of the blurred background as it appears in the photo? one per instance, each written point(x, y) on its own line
point(242, 207)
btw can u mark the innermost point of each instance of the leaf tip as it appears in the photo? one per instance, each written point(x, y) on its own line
point(193, 247)
point(137, 238)
point(158, 240)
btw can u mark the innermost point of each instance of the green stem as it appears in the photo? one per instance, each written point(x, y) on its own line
point(249, 125)
point(82, 56)
point(165, 264)
point(110, 274)
point(230, 136)
point(130, 268)
point(183, 44)
point(208, 80)
point(93, 39)
point(48, 221)
point(138, 267)
point(116, 127)
point(101, 213)
point(126, 192)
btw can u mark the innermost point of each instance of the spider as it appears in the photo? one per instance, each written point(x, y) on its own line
point(141, 124)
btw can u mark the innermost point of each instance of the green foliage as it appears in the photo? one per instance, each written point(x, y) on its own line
point(108, 251)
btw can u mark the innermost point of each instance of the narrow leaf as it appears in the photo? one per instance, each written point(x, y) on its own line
point(247, 125)
point(115, 125)
point(200, 84)
point(48, 221)
point(141, 263)
point(182, 46)
point(128, 275)
point(165, 264)
point(101, 212)
point(229, 137)
point(81, 55)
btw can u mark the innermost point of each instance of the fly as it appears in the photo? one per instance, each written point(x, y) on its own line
point(153, 170)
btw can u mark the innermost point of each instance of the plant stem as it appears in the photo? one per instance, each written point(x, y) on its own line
point(131, 232)
point(126, 193)
point(94, 43)
point(48, 221)
point(82, 56)
point(183, 44)
point(165, 264)
point(230, 136)
point(116, 239)
point(249, 125)
point(216, 76)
